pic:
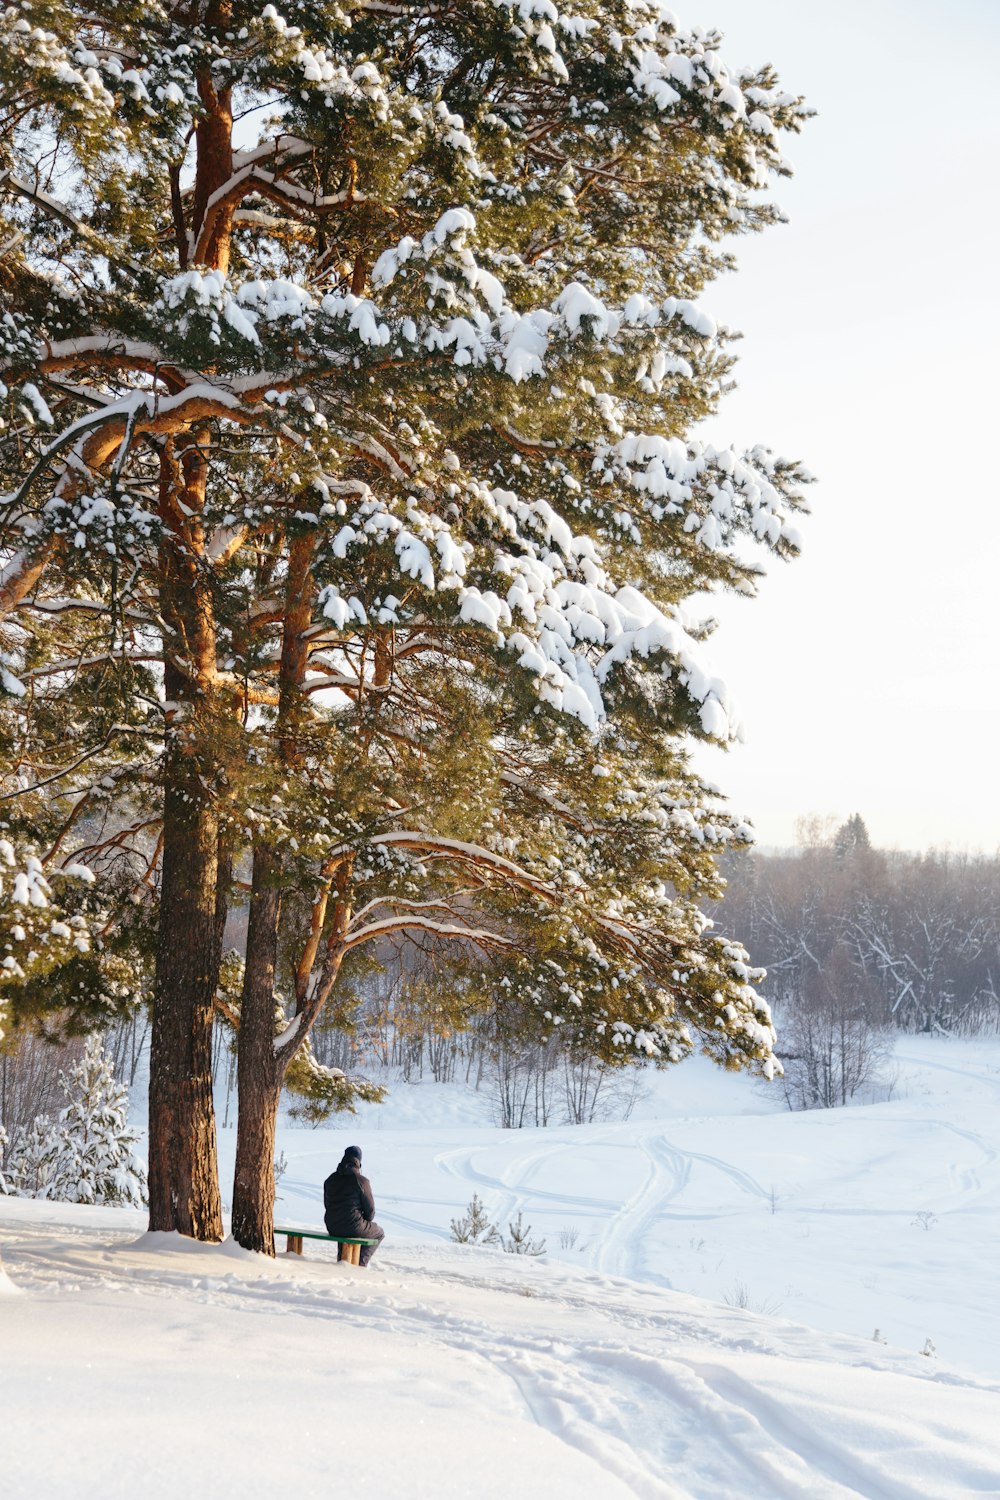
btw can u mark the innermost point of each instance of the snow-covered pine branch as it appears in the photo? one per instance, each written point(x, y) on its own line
point(36, 933)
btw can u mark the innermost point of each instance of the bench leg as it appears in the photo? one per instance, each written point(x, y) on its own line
point(293, 1244)
point(355, 1254)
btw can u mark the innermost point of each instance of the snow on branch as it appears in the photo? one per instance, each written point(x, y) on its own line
point(412, 921)
point(106, 350)
point(65, 215)
point(255, 179)
point(464, 853)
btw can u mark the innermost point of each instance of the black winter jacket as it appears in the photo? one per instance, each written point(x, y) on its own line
point(347, 1199)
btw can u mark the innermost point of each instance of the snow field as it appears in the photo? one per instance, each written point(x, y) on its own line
point(882, 1217)
point(143, 1364)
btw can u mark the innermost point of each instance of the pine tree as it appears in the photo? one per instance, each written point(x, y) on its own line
point(852, 837)
point(360, 447)
point(519, 1241)
point(86, 1154)
point(30, 1162)
point(475, 1227)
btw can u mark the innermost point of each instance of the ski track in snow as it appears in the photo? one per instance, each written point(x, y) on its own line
point(509, 1193)
point(590, 1393)
point(623, 1245)
point(826, 1470)
point(668, 1172)
point(990, 1078)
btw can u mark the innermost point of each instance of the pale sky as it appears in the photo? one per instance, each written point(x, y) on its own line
point(867, 671)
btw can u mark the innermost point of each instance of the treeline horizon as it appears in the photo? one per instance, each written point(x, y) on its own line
point(914, 935)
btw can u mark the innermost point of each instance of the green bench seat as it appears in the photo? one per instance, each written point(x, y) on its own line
point(348, 1249)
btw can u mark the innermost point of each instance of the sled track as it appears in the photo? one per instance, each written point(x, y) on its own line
point(667, 1174)
point(509, 1193)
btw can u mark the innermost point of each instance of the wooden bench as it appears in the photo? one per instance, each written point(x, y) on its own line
point(347, 1249)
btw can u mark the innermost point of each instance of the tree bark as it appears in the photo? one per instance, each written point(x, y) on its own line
point(183, 1171)
point(259, 1073)
point(260, 1070)
point(183, 1175)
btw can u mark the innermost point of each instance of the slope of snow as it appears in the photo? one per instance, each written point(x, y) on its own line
point(880, 1217)
point(444, 1372)
point(133, 1363)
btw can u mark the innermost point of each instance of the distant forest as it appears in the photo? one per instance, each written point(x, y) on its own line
point(912, 938)
point(859, 943)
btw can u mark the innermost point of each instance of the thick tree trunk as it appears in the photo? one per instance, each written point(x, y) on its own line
point(183, 1171)
point(183, 1175)
point(259, 1073)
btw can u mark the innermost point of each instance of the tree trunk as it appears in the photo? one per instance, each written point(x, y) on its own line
point(183, 1171)
point(260, 1070)
point(183, 1175)
point(259, 1073)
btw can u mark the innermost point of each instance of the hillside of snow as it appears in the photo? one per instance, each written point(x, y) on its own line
point(701, 1325)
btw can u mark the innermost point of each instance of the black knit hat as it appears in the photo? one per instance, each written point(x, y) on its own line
point(354, 1151)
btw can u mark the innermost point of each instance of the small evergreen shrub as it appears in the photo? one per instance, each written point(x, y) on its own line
point(474, 1227)
point(519, 1241)
point(85, 1155)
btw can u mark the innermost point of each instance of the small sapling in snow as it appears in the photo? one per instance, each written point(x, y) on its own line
point(520, 1241)
point(739, 1296)
point(474, 1227)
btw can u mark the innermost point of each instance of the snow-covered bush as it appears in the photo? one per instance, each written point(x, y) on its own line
point(543, 1085)
point(836, 1054)
point(86, 1154)
point(31, 1158)
point(476, 1228)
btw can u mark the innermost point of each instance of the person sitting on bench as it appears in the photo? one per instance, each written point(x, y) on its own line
point(349, 1205)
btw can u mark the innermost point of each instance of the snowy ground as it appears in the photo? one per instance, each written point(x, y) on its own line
point(136, 1365)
